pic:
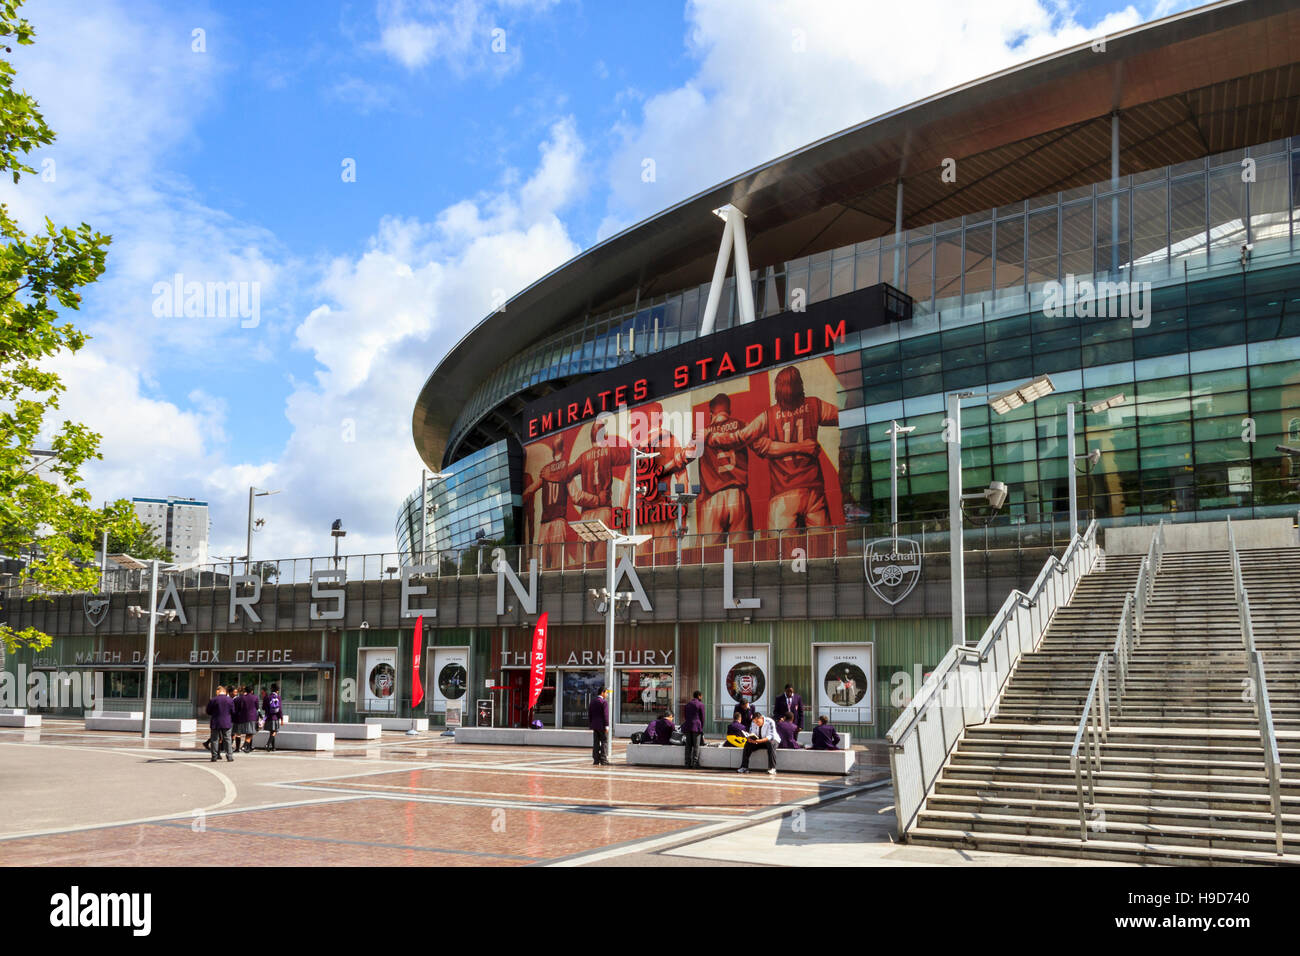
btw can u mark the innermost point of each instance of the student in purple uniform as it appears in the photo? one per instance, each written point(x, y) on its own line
point(245, 720)
point(788, 733)
point(221, 708)
point(824, 736)
point(746, 714)
point(735, 728)
point(693, 726)
point(274, 714)
point(792, 704)
point(663, 729)
point(598, 719)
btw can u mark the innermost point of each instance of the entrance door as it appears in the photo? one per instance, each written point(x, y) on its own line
point(517, 708)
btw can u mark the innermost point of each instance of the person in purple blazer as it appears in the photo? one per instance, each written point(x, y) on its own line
point(824, 736)
point(735, 728)
point(221, 708)
point(663, 729)
point(693, 727)
point(245, 719)
point(792, 704)
point(787, 733)
point(745, 714)
point(598, 720)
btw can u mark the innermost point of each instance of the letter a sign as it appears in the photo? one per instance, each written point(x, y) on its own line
point(538, 657)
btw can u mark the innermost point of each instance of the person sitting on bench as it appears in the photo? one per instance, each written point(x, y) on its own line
point(762, 737)
point(824, 736)
point(663, 728)
point(734, 729)
point(788, 732)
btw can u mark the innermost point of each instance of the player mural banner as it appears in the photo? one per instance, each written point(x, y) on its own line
point(450, 674)
point(742, 671)
point(377, 679)
point(762, 447)
point(843, 677)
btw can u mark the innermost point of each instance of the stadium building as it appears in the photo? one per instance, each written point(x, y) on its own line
point(1118, 220)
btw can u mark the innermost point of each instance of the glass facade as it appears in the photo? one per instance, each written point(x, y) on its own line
point(1206, 352)
point(472, 505)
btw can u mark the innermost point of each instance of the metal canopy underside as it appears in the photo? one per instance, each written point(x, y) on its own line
point(1212, 80)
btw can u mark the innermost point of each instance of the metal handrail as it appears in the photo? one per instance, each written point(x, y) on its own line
point(915, 755)
point(1096, 713)
point(1125, 644)
point(1268, 736)
point(1263, 706)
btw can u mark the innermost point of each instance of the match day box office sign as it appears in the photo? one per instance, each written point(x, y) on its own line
point(743, 677)
point(377, 679)
point(844, 682)
point(449, 668)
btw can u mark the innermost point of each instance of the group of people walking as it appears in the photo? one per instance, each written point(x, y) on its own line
point(757, 731)
point(239, 715)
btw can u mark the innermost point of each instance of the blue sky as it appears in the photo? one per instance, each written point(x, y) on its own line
point(477, 171)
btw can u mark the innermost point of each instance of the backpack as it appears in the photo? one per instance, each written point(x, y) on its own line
point(273, 705)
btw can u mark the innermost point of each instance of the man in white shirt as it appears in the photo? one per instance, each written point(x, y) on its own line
point(764, 731)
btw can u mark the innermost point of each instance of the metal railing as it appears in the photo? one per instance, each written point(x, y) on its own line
point(1263, 708)
point(964, 687)
point(1085, 755)
point(1129, 632)
point(1125, 643)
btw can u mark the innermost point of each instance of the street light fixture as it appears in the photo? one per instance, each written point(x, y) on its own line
point(254, 493)
point(1001, 403)
point(337, 532)
point(590, 531)
point(1092, 457)
point(425, 477)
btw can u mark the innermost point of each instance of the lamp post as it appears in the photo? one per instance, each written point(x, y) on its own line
point(995, 494)
point(253, 493)
point(895, 430)
point(136, 611)
point(598, 531)
point(337, 532)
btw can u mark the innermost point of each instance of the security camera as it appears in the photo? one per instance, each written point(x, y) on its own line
point(996, 494)
point(1094, 457)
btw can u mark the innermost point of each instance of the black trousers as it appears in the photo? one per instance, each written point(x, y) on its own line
point(222, 742)
point(693, 741)
point(750, 747)
point(600, 746)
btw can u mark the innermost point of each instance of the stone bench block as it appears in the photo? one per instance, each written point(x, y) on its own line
point(295, 740)
point(123, 714)
point(838, 762)
point(400, 723)
point(340, 731)
point(20, 720)
point(516, 737)
point(157, 725)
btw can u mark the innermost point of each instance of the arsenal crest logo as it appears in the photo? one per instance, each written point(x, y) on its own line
point(893, 567)
point(96, 608)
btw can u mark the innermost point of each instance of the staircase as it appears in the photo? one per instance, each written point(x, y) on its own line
point(1182, 774)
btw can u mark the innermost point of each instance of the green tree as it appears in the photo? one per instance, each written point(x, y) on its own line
point(127, 534)
point(46, 516)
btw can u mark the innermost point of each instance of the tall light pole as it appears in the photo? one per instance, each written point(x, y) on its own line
point(253, 493)
point(136, 611)
point(995, 494)
point(425, 477)
point(895, 430)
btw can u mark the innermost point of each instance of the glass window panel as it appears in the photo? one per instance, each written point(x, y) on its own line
point(1227, 214)
point(978, 264)
point(1010, 270)
point(1112, 232)
point(1042, 265)
point(841, 276)
point(819, 277)
point(947, 266)
point(1150, 225)
point(866, 272)
point(1187, 214)
point(1076, 239)
point(920, 284)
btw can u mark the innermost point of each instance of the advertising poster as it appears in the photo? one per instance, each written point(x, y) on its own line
point(844, 687)
point(448, 677)
point(742, 677)
point(763, 448)
point(377, 679)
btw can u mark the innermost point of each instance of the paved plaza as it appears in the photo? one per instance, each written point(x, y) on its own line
point(69, 797)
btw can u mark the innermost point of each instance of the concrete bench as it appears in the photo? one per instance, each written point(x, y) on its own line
point(518, 736)
point(12, 712)
point(838, 762)
point(123, 714)
point(340, 731)
point(805, 737)
point(157, 725)
point(19, 718)
point(295, 740)
point(400, 723)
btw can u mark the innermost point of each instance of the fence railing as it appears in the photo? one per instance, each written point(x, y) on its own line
point(964, 687)
point(1258, 682)
point(1085, 755)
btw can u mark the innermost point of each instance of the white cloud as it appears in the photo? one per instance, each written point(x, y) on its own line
point(801, 70)
point(467, 36)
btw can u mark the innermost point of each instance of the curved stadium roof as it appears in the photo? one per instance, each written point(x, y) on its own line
point(1217, 78)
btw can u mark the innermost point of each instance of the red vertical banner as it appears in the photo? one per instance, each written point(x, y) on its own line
point(417, 689)
point(537, 655)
